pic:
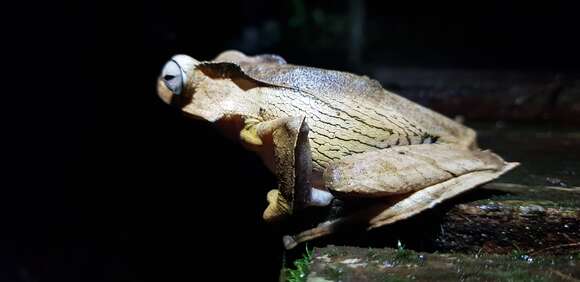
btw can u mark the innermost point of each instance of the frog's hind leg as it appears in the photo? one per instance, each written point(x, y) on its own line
point(419, 176)
point(433, 195)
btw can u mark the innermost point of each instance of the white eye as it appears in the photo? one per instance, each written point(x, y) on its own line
point(172, 76)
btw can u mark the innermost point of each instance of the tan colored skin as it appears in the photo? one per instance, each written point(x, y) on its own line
point(333, 131)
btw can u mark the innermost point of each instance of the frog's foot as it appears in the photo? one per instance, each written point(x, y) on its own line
point(320, 198)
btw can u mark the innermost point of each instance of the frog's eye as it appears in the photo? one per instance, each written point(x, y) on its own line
point(172, 77)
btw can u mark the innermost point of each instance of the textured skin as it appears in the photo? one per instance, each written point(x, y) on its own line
point(347, 114)
point(405, 169)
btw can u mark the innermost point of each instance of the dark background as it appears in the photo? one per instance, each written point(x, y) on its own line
point(106, 183)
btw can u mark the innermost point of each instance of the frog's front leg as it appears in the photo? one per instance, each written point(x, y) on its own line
point(403, 181)
point(284, 146)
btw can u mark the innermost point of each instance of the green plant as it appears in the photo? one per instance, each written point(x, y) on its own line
point(402, 254)
point(400, 246)
point(302, 268)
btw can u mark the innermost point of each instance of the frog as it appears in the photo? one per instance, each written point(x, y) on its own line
point(329, 135)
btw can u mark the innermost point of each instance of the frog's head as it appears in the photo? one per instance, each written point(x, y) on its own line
point(173, 83)
point(192, 86)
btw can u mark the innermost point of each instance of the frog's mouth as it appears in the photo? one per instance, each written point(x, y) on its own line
point(164, 93)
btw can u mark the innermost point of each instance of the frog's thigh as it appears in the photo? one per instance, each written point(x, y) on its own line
point(405, 169)
point(435, 194)
point(427, 173)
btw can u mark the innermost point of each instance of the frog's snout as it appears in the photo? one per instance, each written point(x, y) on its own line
point(174, 77)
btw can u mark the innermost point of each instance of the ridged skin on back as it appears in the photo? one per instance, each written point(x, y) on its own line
point(348, 114)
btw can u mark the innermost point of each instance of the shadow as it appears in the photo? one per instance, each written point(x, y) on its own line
point(418, 233)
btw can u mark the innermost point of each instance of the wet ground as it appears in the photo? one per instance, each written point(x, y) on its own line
point(549, 155)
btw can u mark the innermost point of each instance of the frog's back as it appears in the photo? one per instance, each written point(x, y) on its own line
point(350, 114)
point(346, 113)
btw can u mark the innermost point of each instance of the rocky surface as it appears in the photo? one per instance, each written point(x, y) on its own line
point(335, 263)
point(525, 219)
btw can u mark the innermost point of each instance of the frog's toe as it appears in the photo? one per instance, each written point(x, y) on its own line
point(278, 207)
